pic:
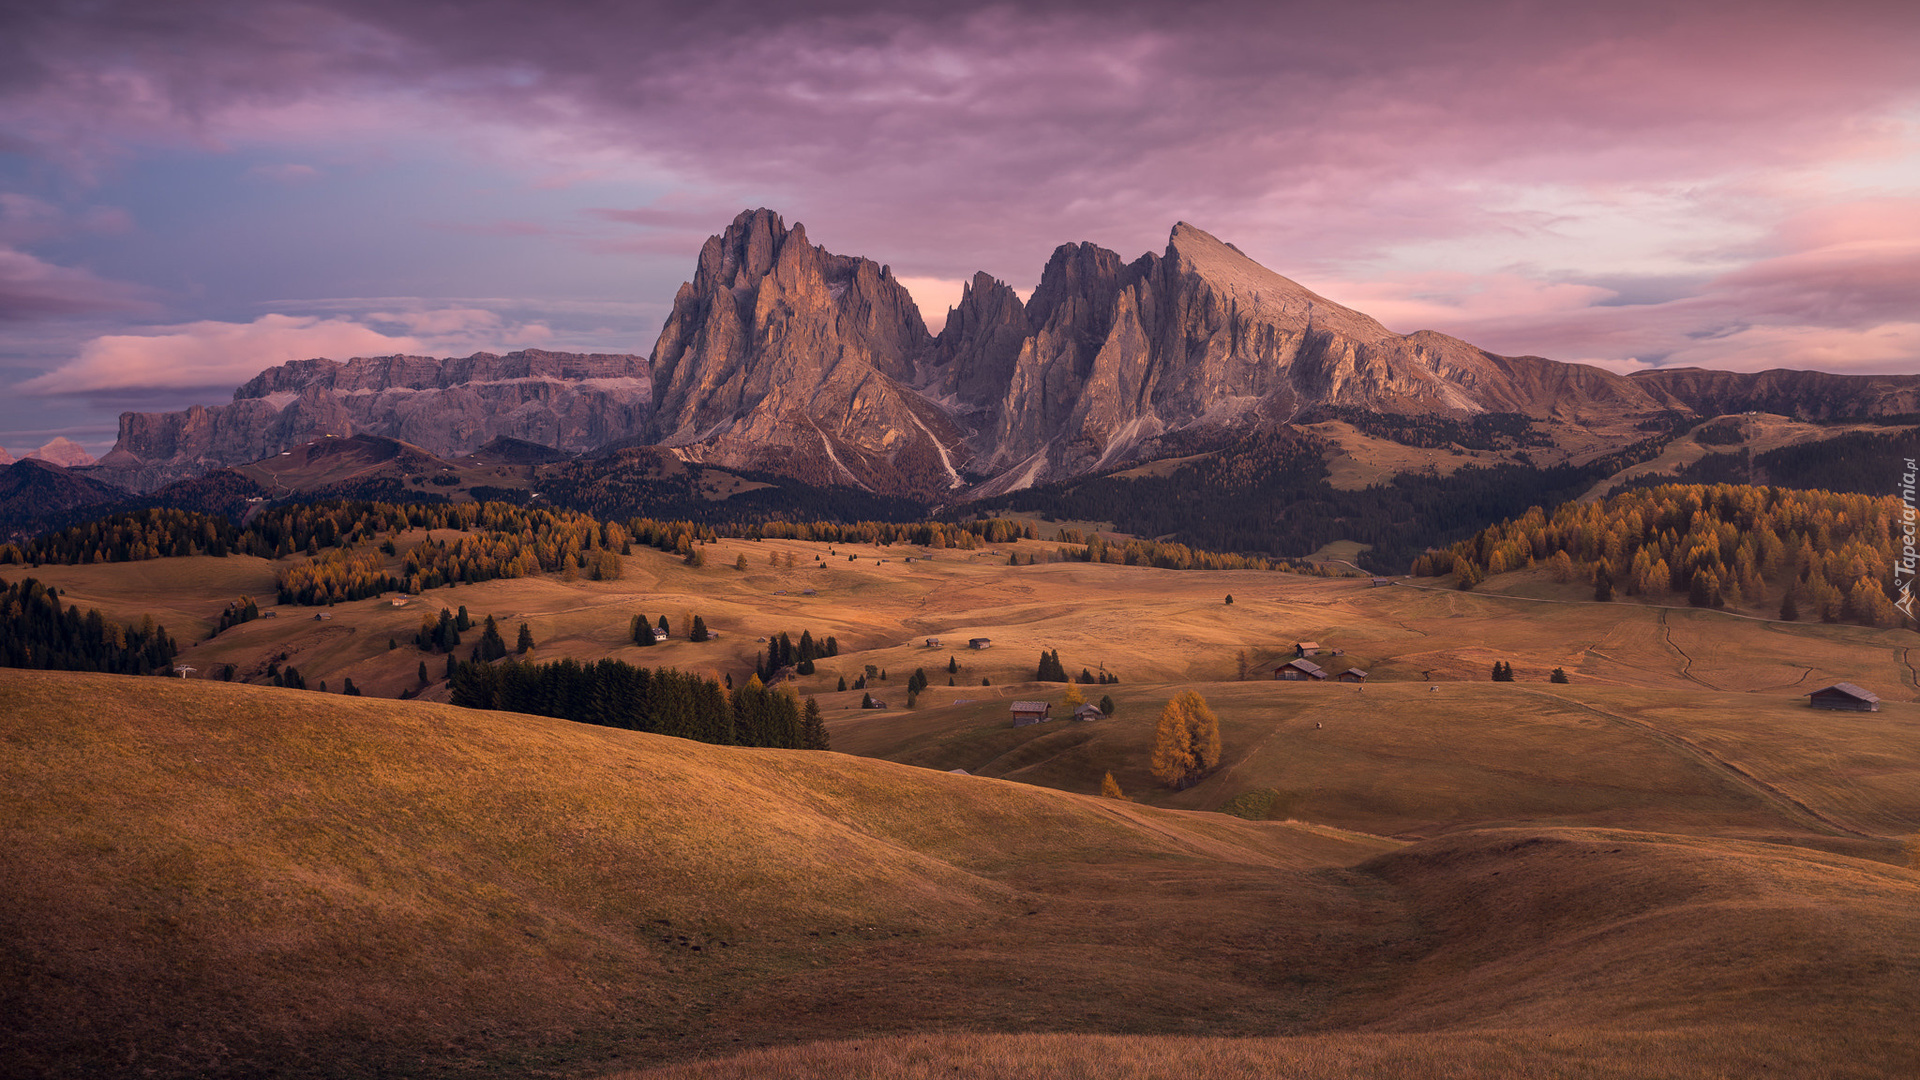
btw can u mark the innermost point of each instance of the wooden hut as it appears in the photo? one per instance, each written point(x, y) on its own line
point(1299, 671)
point(1031, 712)
point(1844, 695)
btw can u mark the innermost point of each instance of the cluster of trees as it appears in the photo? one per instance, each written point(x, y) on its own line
point(243, 610)
point(646, 482)
point(1722, 545)
point(141, 534)
point(336, 577)
point(1186, 744)
point(1487, 431)
point(645, 633)
point(1052, 670)
point(612, 693)
point(1502, 671)
point(1856, 463)
point(442, 634)
point(782, 652)
point(36, 633)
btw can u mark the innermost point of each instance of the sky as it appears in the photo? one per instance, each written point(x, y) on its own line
point(194, 190)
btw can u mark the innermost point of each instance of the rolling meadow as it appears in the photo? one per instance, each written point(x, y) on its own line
point(1666, 866)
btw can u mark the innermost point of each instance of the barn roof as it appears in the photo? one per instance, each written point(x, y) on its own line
point(1850, 690)
point(1307, 666)
point(1031, 706)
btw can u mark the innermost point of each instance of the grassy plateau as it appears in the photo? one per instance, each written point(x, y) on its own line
point(1668, 866)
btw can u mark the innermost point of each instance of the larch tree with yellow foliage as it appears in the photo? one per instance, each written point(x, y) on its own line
point(1186, 745)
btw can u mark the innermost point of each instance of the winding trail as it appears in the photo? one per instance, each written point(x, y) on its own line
point(1782, 802)
point(1686, 669)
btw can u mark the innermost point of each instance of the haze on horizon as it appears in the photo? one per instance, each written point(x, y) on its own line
point(194, 190)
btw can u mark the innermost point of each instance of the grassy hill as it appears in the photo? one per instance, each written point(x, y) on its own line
point(1141, 623)
point(207, 879)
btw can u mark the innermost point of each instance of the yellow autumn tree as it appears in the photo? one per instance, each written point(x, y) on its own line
point(1072, 699)
point(1186, 744)
point(1110, 788)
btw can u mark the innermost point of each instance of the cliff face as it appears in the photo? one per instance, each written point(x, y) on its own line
point(571, 401)
point(1202, 340)
point(781, 355)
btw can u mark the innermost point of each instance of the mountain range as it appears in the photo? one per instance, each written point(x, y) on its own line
point(782, 357)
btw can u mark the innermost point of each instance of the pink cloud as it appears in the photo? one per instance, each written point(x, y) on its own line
point(225, 354)
point(32, 288)
point(284, 173)
point(1326, 140)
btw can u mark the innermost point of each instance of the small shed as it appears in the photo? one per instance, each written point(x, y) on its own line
point(1352, 674)
point(876, 703)
point(1380, 581)
point(1031, 712)
point(660, 635)
point(1088, 712)
point(1299, 671)
point(1305, 648)
point(979, 643)
point(933, 643)
point(1844, 695)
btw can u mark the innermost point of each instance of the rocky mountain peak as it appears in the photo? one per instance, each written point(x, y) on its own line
point(1263, 294)
point(782, 354)
point(63, 452)
point(980, 343)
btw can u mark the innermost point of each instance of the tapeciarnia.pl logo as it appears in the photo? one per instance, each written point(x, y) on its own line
point(1905, 564)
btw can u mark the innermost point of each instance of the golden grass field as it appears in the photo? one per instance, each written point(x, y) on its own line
point(1669, 867)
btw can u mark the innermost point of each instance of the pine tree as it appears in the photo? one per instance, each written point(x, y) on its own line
point(813, 727)
point(866, 701)
point(1789, 611)
point(1559, 675)
point(1110, 788)
point(953, 665)
point(699, 629)
point(491, 646)
point(1106, 705)
point(843, 683)
point(526, 640)
point(423, 673)
point(1229, 598)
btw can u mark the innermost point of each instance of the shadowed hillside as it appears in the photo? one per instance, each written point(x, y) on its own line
point(209, 879)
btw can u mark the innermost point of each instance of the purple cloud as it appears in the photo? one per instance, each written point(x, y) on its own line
point(1404, 148)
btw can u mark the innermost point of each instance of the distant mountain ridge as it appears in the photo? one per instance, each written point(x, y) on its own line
point(573, 401)
point(781, 356)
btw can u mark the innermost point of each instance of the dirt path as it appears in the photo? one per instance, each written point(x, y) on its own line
point(1686, 669)
point(1786, 804)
